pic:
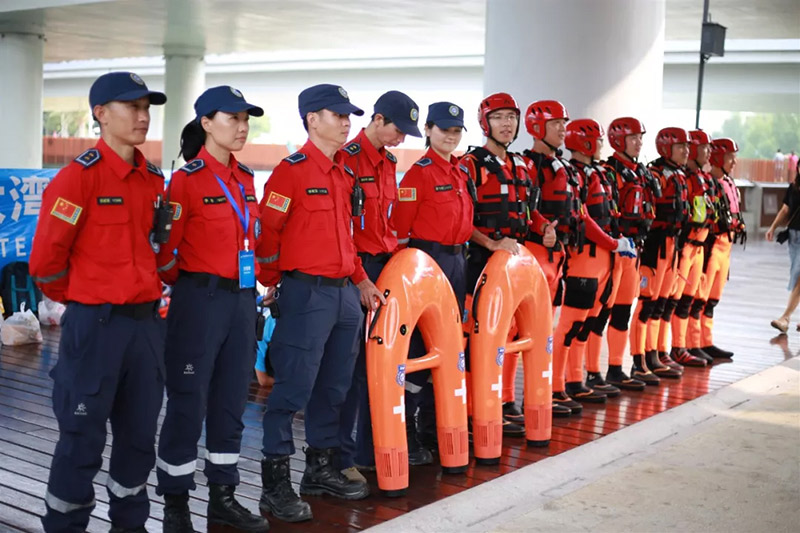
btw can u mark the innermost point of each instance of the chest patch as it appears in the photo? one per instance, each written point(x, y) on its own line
point(316, 191)
point(109, 200)
point(214, 200)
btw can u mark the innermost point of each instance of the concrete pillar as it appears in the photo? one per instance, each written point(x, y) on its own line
point(184, 81)
point(601, 58)
point(21, 59)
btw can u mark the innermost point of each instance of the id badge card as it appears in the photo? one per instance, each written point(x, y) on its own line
point(247, 269)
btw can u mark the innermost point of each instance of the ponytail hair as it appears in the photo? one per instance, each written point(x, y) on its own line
point(193, 137)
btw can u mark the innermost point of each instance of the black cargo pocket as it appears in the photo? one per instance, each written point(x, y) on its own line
point(580, 293)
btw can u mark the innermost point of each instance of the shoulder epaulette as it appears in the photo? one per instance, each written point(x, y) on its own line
point(154, 169)
point(244, 168)
point(390, 156)
point(89, 157)
point(352, 148)
point(295, 158)
point(193, 166)
point(424, 162)
point(347, 169)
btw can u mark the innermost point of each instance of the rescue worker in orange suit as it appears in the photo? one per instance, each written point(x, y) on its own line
point(690, 264)
point(307, 247)
point(586, 271)
point(434, 214)
point(211, 323)
point(395, 116)
point(503, 215)
point(94, 250)
point(561, 202)
point(659, 256)
point(633, 190)
point(726, 231)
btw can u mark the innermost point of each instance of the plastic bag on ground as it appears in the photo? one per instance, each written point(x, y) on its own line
point(21, 328)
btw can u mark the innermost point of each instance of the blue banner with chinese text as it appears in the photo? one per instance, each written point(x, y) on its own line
point(20, 200)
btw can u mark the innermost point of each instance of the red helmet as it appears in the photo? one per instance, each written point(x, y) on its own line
point(697, 137)
point(540, 112)
point(720, 147)
point(493, 102)
point(582, 136)
point(669, 136)
point(621, 128)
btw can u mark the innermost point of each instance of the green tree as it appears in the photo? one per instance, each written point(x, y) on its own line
point(760, 135)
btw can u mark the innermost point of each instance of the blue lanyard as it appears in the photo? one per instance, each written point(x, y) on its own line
point(243, 218)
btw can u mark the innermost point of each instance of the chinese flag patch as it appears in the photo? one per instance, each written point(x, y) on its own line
point(407, 194)
point(278, 202)
point(66, 211)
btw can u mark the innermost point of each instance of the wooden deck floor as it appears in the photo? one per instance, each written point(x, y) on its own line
point(28, 431)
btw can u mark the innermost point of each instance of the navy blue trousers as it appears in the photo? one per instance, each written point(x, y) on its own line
point(110, 367)
point(359, 450)
point(313, 351)
point(210, 354)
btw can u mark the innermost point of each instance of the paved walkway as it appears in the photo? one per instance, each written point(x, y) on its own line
point(728, 461)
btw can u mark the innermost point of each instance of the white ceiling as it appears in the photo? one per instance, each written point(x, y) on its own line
point(86, 29)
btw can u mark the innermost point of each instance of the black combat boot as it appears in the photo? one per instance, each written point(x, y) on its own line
point(277, 495)
point(323, 477)
point(224, 509)
point(177, 518)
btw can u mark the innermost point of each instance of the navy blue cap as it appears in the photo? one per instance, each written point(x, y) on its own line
point(446, 115)
point(122, 87)
point(326, 96)
point(224, 98)
point(401, 110)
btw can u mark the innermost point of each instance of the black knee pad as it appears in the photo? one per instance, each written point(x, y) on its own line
point(621, 316)
point(572, 333)
point(697, 308)
point(644, 313)
point(600, 321)
point(586, 329)
point(709, 310)
point(684, 304)
point(658, 309)
point(669, 308)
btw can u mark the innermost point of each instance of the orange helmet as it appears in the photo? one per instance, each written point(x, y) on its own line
point(540, 112)
point(582, 136)
point(493, 102)
point(621, 128)
point(720, 147)
point(697, 137)
point(667, 137)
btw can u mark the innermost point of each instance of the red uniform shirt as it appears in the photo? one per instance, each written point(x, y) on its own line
point(434, 203)
point(305, 217)
point(377, 174)
point(92, 242)
point(206, 229)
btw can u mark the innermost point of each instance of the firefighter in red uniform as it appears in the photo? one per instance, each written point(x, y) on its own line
point(434, 214)
point(660, 254)
point(690, 264)
point(94, 250)
point(727, 230)
point(503, 215)
point(633, 191)
point(561, 202)
point(395, 116)
point(211, 323)
point(307, 246)
point(588, 269)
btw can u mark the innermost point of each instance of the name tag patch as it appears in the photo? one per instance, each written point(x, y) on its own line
point(317, 190)
point(251, 198)
point(367, 179)
point(213, 200)
point(442, 188)
point(109, 200)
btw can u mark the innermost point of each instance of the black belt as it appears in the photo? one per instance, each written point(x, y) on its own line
point(317, 280)
point(434, 247)
point(202, 279)
point(377, 258)
point(136, 311)
point(695, 243)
